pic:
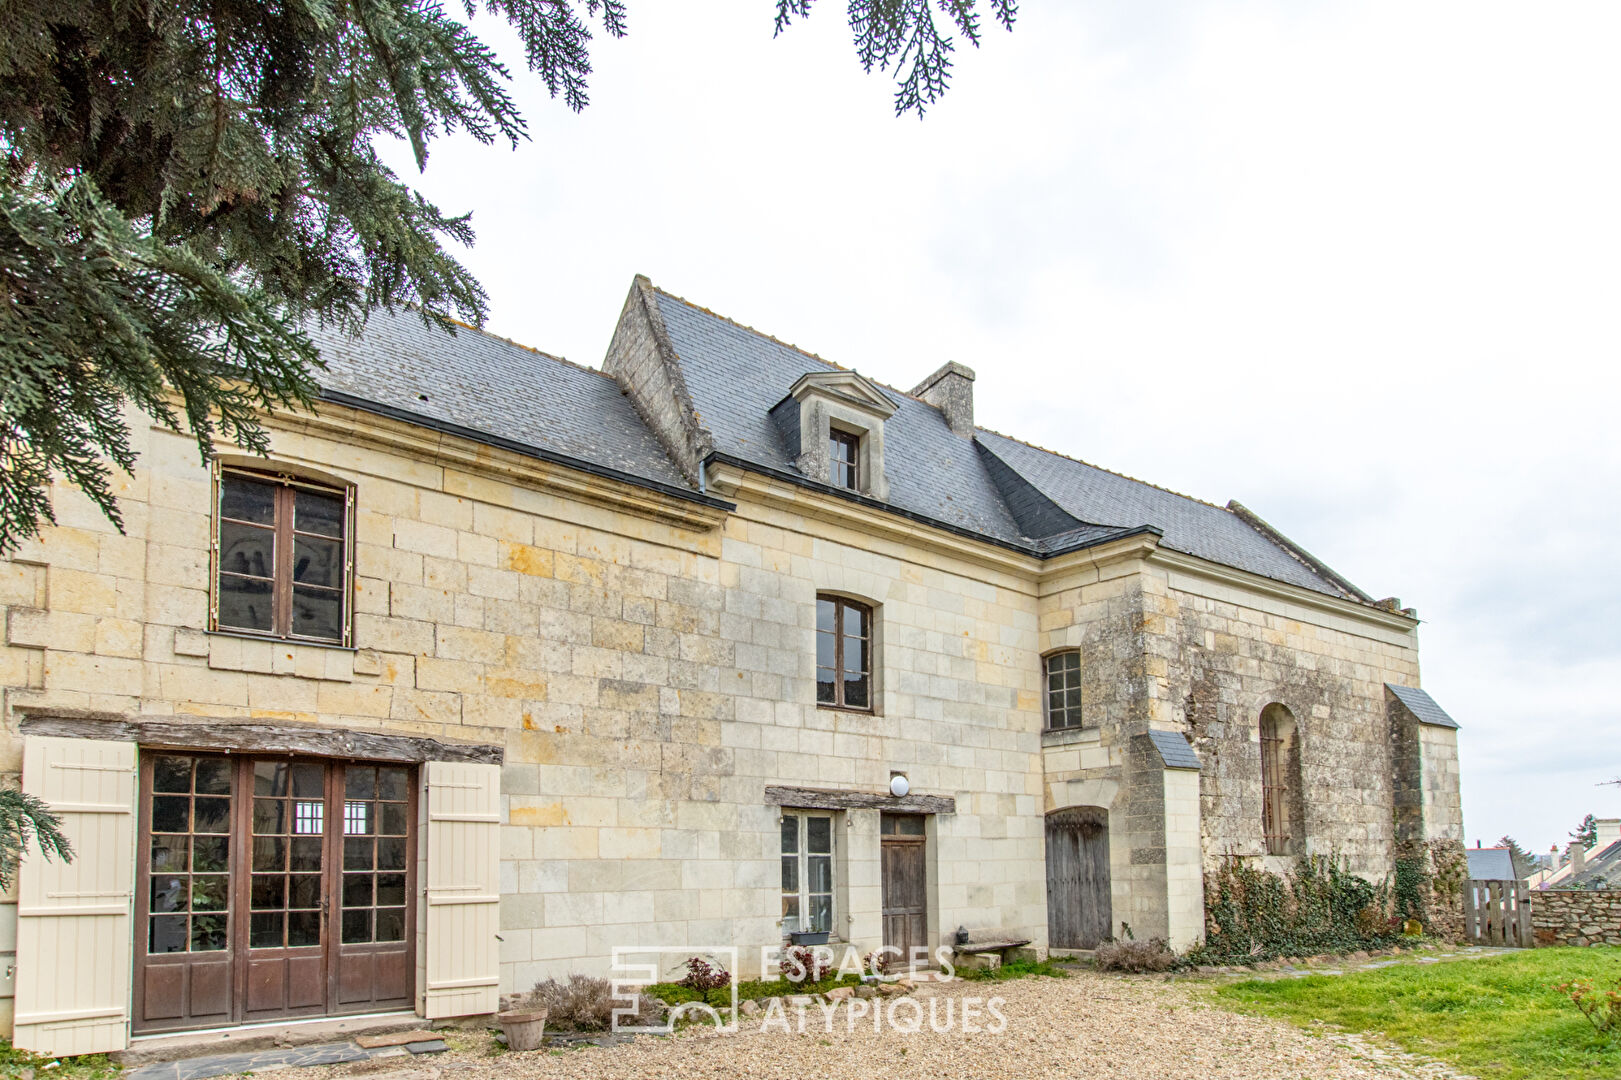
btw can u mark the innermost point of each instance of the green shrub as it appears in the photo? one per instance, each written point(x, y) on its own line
point(1321, 907)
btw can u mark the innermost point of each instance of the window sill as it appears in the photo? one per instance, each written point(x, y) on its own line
point(226, 651)
point(847, 709)
point(243, 635)
point(1070, 736)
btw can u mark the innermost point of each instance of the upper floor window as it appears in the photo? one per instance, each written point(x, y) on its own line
point(843, 653)
point(282, 558)
point(1281, 807)
point(1064, 690)
point(844, 459)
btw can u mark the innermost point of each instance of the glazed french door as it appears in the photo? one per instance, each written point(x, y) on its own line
point(271, 888)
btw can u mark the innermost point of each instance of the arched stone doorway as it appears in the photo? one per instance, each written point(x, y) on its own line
point(1079, 914)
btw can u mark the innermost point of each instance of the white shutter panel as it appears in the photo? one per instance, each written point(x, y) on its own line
point(463, 893)
point(73, 919)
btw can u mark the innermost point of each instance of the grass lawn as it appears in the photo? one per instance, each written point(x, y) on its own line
point(1498, 1018)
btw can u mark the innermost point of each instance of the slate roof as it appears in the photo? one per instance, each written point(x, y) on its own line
point(1421, 705)
point(990, 486)
point(1603, 863)
point(1174, 750)
point(491, 385)
point(1490, 864)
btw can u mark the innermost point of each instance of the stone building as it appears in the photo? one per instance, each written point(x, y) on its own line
point(498, 663)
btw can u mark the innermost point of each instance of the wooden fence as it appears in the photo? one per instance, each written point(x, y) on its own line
point(1497, 913)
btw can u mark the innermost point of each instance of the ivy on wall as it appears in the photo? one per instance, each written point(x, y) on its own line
point(1320, 907)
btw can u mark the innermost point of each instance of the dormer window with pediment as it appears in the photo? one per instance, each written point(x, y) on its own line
point(833, 422)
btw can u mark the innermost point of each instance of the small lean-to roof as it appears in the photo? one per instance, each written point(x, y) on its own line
point(1490, 864)
point(1421, 705)
point(487, 384)
point(1174, 749)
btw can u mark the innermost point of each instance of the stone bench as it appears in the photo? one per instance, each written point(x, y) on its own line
point(990, 955)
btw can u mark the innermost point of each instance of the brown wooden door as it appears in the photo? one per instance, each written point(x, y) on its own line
point(1079, 913)
point(904, 853)
point(272, 888)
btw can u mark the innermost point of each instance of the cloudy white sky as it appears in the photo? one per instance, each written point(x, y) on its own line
point(1355, 265)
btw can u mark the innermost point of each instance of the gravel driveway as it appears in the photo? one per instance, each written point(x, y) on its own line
point(1087, 1025)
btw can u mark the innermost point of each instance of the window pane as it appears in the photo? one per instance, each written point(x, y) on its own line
point(357, 890)
point(309, 780)
point(244, 603)
point(390, 924)
point(357, 854)
point(209, 892)
point(360, 782)
point(855, 655)
point(819, 874)
point(171, 774)
point(211, 815)
point(168, 934)
point(357, 925)
point(307, 854)
point(304, 891)
point(318, 513)
point(790, 835)
point(819, 835)
point(247, 500)
point(169, 893)
point(826, 648)
point(213, 776)
point(394, 783)
point(270, 778)
point(790, 914)
point(391, 854)
point(826, 614)
point(168, 854)
point(269, 853)
point(821, 913)
point(391, 889)
point(855, 623)
point(208, 933)
point(856, 692)
point(247, 549)
point(357, 818)
point(826, 686)
point(171, 813)
point(307, 816)
point(318, 613)
point(269, 891)
point(265, 930)
point(318, 562)
point(790, 873)
point(269, 816)
point(303, 928)
point(211, 853)
point(394, 819)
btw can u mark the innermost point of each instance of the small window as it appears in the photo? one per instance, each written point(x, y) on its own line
point(807, 873)
point(844, 452)
point(1064, 690)
point(843, 653)
point(1281, 814)
point(282, 558)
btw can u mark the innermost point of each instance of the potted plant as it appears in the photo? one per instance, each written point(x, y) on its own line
point(808, 937)
point(524, 1028)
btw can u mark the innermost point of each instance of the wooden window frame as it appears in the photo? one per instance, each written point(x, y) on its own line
point(287, 485)
point(1059, 720)
point(1277, 827)
point(840, 606)
point(837, 438)
point(802, 855)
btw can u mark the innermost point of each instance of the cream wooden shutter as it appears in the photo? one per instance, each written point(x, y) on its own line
point(463, 894)
point(73, 919)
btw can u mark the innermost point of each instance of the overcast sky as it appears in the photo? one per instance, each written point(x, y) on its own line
point(1356, 265)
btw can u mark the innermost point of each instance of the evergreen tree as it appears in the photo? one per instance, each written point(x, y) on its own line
point(1587, 832)
point(1524, 863)
point(184, 186)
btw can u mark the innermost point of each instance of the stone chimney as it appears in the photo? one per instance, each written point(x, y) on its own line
point(1608, 831)
point(951, 390)
point(1578, 857)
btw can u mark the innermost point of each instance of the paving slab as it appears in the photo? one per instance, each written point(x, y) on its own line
point(200, 1068)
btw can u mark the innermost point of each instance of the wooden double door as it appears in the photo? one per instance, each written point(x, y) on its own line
point(1079, 910)
point(272, 887)
point(903, 848)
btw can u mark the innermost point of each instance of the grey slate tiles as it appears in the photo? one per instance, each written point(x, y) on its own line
point(1421, 705)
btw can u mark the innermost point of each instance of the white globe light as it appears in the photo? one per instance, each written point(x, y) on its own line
point(898, 785)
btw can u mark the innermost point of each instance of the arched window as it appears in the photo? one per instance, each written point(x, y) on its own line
point(843, 654)
point(1064, 690)
point(1281, 805)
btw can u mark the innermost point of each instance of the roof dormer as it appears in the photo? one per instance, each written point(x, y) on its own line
point(834, 424)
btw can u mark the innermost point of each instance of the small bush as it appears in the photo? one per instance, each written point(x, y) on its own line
point(803, 963)
point(585, 1004)
point(877, 962)
point(704, 976)
point(1602, 1008)
point(1135, 956)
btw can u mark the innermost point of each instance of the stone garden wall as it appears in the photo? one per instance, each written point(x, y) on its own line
point(1576, 916)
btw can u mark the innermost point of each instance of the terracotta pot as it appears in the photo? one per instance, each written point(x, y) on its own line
point(524, 1028)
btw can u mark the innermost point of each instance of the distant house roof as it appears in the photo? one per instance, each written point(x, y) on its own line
point(986, 485)
point(1491, 864)
point(1174, 750)
point(1603, 869)
point(1421, 705)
